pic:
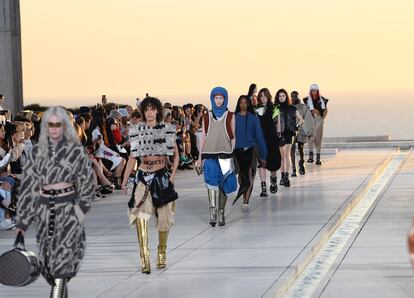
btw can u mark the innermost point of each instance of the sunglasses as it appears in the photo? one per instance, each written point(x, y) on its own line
point(54, 124)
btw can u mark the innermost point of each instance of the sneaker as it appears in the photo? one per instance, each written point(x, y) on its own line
point(7, 224)
point(106, 190)
point(310, 160)
point(286, 183)
point(282, 179)
point(264, 191)
point(318, 160)
point(293, 172)
point(273, 185)
point(245, 207)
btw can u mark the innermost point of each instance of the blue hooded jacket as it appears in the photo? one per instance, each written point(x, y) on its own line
point(219, 111)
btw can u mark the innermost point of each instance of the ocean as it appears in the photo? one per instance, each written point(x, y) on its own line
point(350, 114)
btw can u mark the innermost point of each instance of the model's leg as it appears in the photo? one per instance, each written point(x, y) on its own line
point(59, 288)
point(221, 208)
point(318, 141)
point(287, 150)
point(282, 164)
point(142, 232)
point(213, 195)
point(293, 158)
point(301, 161)
point(262, 174)
point(162, 249)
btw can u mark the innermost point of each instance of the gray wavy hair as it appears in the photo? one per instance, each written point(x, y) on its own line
point(68, 130)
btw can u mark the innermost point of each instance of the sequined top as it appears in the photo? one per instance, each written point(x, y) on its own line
point(152, 141)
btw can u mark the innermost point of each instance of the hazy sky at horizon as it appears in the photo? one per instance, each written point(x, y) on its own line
point(80, 49)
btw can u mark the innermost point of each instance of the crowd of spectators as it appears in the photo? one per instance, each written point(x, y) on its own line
point(103, 130)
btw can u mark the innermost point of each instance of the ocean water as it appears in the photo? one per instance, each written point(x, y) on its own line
point(350, 114)
point(393, 117)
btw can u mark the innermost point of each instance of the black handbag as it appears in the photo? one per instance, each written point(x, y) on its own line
point(162, 190)
point(19, 267)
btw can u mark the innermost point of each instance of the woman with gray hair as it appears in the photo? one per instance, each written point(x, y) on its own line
point(56, 192)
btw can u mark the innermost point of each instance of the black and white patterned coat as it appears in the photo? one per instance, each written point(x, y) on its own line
point(68, 162)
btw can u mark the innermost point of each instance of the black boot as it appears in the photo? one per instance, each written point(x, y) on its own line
point(318, 160)
point(282, 179)
point(286, 183)
point(273, 185)
point(310, 160)
point(264, 190)
point(302, 167)
point(294, 172)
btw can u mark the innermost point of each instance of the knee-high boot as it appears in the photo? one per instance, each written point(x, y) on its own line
point(59, 288)
point(142, 232)
point(162, 249)
point(222, 206)
point(212, 199)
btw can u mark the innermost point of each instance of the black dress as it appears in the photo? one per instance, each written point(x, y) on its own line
point(273, 161)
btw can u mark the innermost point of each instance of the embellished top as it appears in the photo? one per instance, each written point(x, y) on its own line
point(67, 162)
point(158, 140)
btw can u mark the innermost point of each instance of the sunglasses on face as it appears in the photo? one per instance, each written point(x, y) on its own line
point(54, 124)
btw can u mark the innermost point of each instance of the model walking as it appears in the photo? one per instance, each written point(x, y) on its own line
point(152, 141)
point(267, 114)
point(248, 135)
point(217, 146)
point(304, 132)
point(288, 121)
point(56, 192)
point(318, 106)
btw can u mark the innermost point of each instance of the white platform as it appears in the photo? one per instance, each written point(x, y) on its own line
point(247, 257)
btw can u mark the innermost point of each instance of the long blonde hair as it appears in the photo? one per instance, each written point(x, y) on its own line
point(69, 132)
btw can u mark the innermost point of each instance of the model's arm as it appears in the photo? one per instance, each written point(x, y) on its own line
point(85, 179)
point(299, 119)
point(233, 128)
point(202, 142)
point(128, 170)
point(29, 192)
point(175, 163)
point(326, 113)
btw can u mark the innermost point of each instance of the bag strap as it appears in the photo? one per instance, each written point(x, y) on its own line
point(19, 242)
point(228, 125)
point(206, 121)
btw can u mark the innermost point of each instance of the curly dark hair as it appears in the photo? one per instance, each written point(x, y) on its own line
point(152, 102)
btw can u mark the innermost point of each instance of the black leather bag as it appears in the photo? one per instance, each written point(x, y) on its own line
point(162, 190)
point(19, 267)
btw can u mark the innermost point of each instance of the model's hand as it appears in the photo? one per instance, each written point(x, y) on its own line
point(410, 241)
point(124, 188)
point(198, 162)
point(172, 177)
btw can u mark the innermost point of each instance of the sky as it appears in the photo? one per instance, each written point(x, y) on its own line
point(75, 51)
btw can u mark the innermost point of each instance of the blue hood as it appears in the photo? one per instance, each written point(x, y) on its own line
point(219, 111)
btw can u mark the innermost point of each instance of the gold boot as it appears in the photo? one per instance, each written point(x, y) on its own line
point(142, 232)
point(162, 250)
